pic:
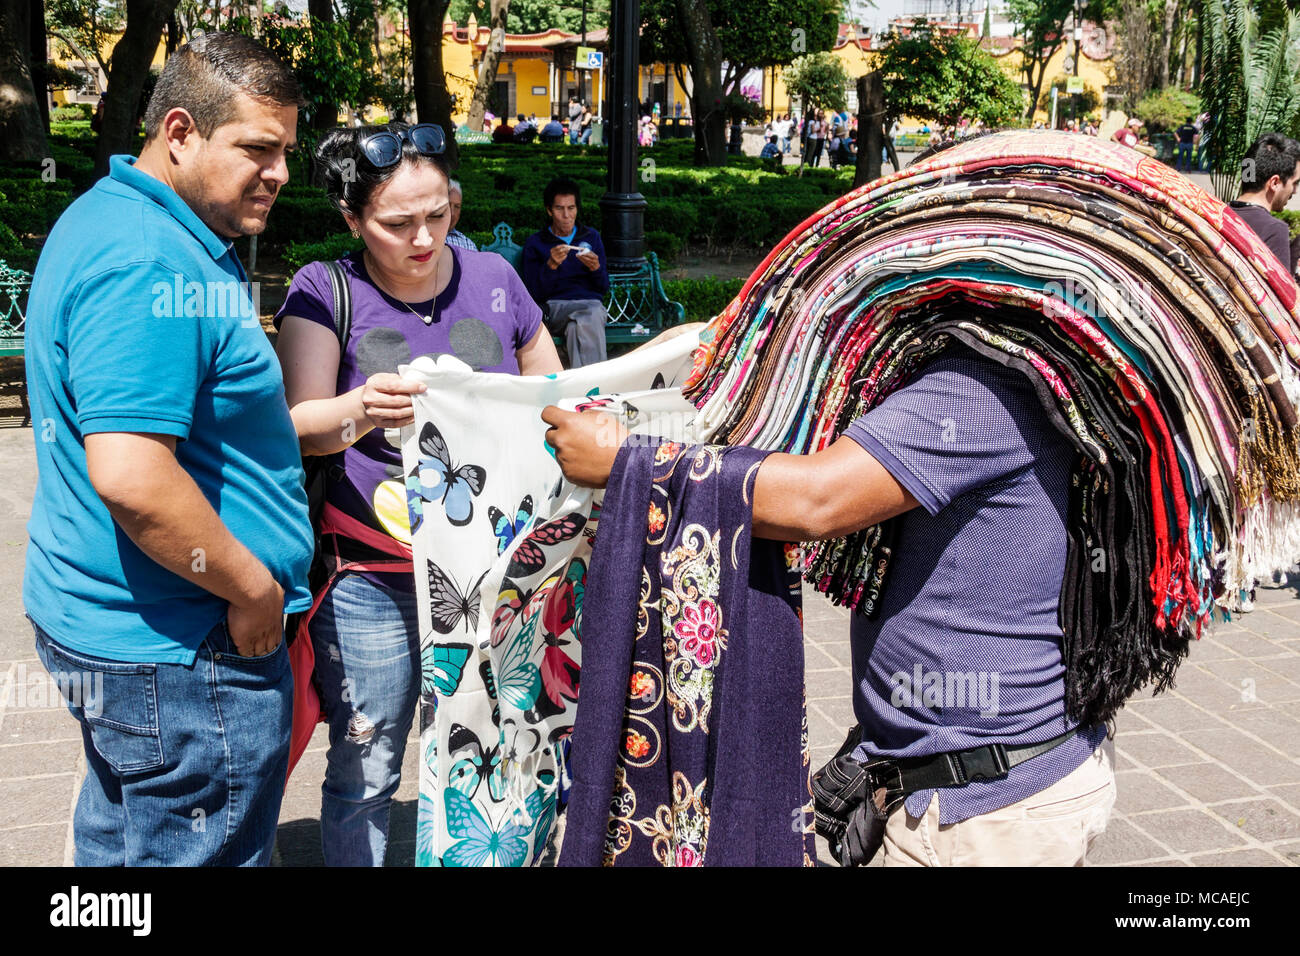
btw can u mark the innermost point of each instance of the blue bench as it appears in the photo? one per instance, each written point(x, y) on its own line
point(638, 307)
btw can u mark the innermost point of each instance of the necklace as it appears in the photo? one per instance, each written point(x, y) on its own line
point(426, 319)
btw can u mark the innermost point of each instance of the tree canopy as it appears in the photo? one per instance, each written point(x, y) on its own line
point(939, 77)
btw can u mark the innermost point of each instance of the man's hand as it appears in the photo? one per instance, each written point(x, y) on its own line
point(558, 255)
point(585, 443)
point(257, 628)
point(589, 259)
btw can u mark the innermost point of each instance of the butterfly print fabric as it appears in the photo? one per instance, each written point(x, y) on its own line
point(501, 546)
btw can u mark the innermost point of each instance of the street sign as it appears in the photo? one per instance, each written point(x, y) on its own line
point(1074, 84)
point(589, 58)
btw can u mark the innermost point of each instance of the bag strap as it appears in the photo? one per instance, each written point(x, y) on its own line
point(342, 294)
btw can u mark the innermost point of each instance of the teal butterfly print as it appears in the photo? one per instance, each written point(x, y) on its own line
point(471, 764)
point(478, 842)
point(441, 668)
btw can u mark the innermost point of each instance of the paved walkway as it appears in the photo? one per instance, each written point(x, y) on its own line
point(1208, 775)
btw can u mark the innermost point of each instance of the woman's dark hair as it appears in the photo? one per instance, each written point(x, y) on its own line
point(348, 177)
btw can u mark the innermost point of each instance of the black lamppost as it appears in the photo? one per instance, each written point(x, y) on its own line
point(623, 206)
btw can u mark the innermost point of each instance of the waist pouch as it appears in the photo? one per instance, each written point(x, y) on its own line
point(852, 800)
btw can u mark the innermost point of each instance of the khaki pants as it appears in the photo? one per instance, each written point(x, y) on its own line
point(1051, 828)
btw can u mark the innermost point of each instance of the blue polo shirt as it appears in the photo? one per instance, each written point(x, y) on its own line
point(140, 319)
point(966, 650)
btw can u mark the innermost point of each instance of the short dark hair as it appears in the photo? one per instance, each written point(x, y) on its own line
point(561, 186)
point(203, 76)
point(1271, 155)
point(349, 178)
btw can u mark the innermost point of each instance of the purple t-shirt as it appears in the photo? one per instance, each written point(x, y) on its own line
point(966, 650)
point(483, 317)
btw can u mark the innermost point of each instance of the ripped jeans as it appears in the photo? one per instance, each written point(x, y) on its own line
point(367, 643)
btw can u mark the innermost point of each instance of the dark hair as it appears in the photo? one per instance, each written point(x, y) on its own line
point(348, 177)
point(1271, 155)
point(203, 76)
point(562, 186)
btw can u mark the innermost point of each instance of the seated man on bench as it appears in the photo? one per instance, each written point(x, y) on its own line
point(564, 270)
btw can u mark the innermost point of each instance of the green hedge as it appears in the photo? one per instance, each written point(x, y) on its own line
point(333, 247)
point(13, 251)
point(740, 206)
point(703, 298)
point(1292, 219)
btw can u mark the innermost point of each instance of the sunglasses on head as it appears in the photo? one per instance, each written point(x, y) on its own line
point(384, 148)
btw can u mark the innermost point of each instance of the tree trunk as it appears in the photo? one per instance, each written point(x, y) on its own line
point(1167, 41)
point(22, 134)
point(871, 127)
point(487, 67)
point(132, 56)
point(39, 58)
point(327, 114)
point(433, 101)
point(1036, 85)
point(704, 56)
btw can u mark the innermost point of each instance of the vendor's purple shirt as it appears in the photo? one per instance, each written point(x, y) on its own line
point(974, 586)
point(483, 317)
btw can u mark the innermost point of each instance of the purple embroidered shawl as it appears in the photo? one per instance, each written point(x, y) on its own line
point(690, 741)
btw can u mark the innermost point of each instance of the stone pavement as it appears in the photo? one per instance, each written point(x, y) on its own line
point(1208, 774)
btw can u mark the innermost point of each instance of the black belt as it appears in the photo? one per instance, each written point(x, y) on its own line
point(844, 790)
point(956, 768)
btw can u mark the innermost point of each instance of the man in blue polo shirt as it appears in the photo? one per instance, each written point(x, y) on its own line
point(169, 532)
point(965, 652)
point(563, 267)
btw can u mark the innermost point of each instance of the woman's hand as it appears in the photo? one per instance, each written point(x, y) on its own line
point(386, 399)
point(585, 443)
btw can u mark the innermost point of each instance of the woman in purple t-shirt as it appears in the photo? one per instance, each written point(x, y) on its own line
point(412, 295)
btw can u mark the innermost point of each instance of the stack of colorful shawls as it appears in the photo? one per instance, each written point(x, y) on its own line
point(1160, 334)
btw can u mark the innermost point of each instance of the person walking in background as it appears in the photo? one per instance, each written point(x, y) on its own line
point(575, 114)
point(1188, 135)
point(169, 531)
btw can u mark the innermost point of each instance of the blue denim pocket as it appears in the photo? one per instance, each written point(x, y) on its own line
point(229, 651)
point(117, 700)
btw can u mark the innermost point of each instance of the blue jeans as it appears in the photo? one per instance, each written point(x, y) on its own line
point(1183, 163)
point(185, 765)
point(367, 642)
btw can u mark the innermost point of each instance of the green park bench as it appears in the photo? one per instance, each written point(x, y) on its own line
point(638, 307)
point(14, 284)
point(465, 135)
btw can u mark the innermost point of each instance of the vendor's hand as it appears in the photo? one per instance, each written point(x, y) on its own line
point(558, 255)
point(585, 443)
point(386, 398)
point(589, 259)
